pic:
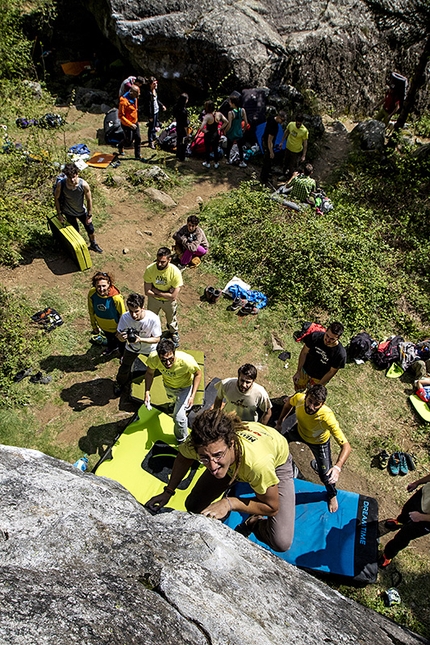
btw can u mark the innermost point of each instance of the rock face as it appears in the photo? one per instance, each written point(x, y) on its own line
point(83, 562)
point(333, 49)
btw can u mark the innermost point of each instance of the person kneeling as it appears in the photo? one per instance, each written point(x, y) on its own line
point(191, 243)
point(232, 450)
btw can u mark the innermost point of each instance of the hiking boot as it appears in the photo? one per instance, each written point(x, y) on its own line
point(243, 165)
point(175, 339)
point(383, 561)
point(410, 461)
point(403, 466)
point(393, 524)
point(237, 303)
point(383, 458)
point(22, 374)
point(95, 247)
point(39, 378)
point(394, 464)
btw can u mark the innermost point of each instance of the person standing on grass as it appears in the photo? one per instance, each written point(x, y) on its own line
point(128, 114)
point(105, 307)
point(232, 450)
point(210, 128)
point(244, 396)
point(181, 376)
point(412, 523)
point(268, 142)
point(70, 194)
point(322, 356)
point(152, 109)
point(163, 282)
point(315, 424)
point(297, 144)
point(234, 129)
point(180, 114)
point(140, 331)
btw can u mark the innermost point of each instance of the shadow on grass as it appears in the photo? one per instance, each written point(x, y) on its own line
point(80, 396)
point(87, 362)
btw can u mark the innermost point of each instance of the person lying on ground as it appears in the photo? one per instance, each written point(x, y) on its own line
point(181, 376)
point(70, 193)
point(315, 424)
point(244, 396)
point(191, 242)
point(412, 522)
point(140, 331)
point(322, 356)
point(232, 450)
point(105, 307)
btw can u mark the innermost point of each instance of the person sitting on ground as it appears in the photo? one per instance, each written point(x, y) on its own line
point(209, 126)
point(422, 389)
point(129, 81)
point(153, 105)
point(302, 185)
point(162, 283)
point(181, 376)
point(180, 114)
point(232, 450)
point(297, 144)
point(244, 396)
point(234, 128)
point(69, 203)
point(268, 141)
point(106, 306)
point(315, 424)
point(412, 523)
point(191, 243)
point(140, 330)
point(128, 114)
point(322, 356)
point(420, 368)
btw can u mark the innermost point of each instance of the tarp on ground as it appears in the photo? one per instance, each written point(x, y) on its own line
point(342, 543)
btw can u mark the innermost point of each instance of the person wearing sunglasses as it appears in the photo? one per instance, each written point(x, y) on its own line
point(181, 377)
point(232, 450)
point(322, 356)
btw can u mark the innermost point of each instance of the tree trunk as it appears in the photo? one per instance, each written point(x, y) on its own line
point(417, 81)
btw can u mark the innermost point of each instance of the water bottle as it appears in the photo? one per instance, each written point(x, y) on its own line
point(82, 463)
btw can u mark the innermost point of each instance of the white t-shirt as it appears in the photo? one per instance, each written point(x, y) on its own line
point(148, 327)
point(245, 404)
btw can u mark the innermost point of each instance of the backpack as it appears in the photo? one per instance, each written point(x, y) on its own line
point(23, 123)
point(307, 328)
point(388, 352)
point(408, 355)
point(360, 347)
point(51, 121)
point(167, 138)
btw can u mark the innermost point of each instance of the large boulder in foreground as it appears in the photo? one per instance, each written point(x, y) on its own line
point(333, 49)
point(83, 562)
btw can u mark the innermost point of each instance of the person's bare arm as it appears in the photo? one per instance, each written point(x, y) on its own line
point(266, 416)
point(167, 295)
point(302, 359)
point(89, 200)
point(304, 151)
point(261, 504)
point(328, 375)
point(335, 471)
point(270, 142)
point(149, 377)
point(284, 413)
point(181, 465)
point(57, 196)
point(196, 383)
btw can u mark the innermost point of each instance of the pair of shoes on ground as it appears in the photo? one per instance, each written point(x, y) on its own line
point(205, 164)
point(400, 463)
point(22, 374)
point(39, 378)
point(242, 164)
point(212, 294)
point(95, 247)
point(237, 304)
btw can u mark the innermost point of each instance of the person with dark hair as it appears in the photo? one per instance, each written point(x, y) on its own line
point(180, 114)
point(412, 523)
point(69, 196)
point(268, 141)
point(191, 243)
point(129, 81)
point(140, 330)
point(244, 396)
point(322, 356)
point(181, 376)
point(234, 130)
point(302, 185)
point(209, 126)
point(152, 109)
point(232, 450)
point(128, 114)
point(105, 306)
point(313, 424)
point(297, 144)
point(163, 282)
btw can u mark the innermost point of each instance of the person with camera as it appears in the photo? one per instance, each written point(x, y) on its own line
point(140, 329)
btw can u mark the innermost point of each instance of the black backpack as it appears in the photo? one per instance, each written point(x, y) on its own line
point(387, 353)
point(360, 347)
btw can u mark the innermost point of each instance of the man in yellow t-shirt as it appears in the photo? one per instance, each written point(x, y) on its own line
point(248, 452)
point(181, 377)
point(163, 281)
point(297, 144)
point(315, 424)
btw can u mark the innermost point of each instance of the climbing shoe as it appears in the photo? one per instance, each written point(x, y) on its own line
point(410, 461)
point(394, 464)
point(383, 561)
point(393, 524)
point(403, 466)
point(383, 458)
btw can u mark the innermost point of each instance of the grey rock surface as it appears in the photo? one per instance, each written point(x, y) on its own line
point(369, 135)
point(83, 562)
point(160, 197)
point(331, 48)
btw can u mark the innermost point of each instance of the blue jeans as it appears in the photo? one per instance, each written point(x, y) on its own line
point(180, 396)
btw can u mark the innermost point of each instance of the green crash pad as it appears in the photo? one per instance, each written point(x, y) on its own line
point(420, 407)
point(136, 456)
point(158, 392)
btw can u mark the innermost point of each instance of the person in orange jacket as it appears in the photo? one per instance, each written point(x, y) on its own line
point(128, 115)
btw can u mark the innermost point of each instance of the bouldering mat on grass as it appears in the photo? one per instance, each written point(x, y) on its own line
point(158, 392)
point(75, 68)
point(142, 457)
point(101, 160)
point(420, 407)
point(342, 543)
